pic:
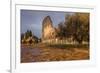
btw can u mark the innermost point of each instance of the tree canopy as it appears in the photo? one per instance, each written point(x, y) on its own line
point(75, 25)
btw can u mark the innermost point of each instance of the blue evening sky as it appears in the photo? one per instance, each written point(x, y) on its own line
point(32, 20)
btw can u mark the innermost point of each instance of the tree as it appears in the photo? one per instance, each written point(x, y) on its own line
point(35, 39)
point(29, 37)
point(77, 25)
point(61, 32)
point(22, 36)
point(28, 34)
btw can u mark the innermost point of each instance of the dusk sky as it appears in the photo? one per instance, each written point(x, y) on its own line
point(32, 20)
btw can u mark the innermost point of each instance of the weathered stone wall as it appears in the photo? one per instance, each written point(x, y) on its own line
point(48, 31)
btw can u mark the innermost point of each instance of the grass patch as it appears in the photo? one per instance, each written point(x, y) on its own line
point(64, 46)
